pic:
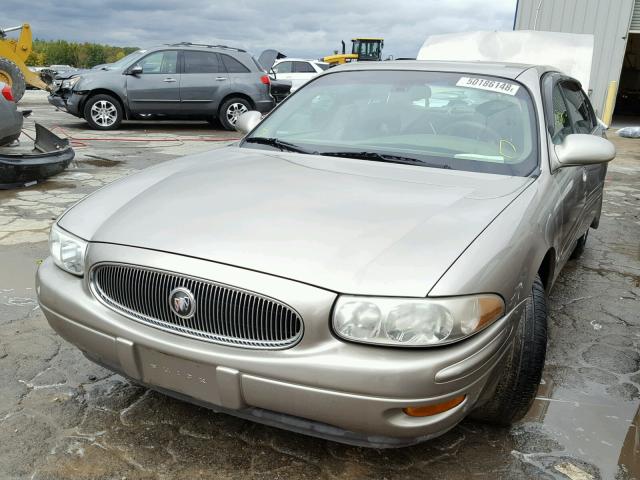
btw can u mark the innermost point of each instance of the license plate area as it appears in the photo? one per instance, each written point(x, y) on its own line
point(180, 375)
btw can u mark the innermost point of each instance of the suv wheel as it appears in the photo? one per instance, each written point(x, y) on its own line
point(231, 110)
point(517, 388)
point(103, 112)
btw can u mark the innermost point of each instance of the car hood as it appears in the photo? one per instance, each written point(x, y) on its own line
point(350, 226)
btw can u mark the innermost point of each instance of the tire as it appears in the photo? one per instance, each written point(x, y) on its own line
point(213, 121)
point(580, 246)
point(11, 75)
point(230, 110)
point(103, 112)
point(517, 388)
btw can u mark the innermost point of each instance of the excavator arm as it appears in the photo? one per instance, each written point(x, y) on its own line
point(16, 52)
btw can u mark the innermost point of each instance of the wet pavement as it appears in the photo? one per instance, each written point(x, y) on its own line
point(61, 417)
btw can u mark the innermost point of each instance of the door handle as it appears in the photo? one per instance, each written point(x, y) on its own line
point(220, 79)
point(169, 80)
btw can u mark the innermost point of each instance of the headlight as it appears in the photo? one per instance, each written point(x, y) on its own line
point(69, 83)
point(67, 250)
point(414, 322)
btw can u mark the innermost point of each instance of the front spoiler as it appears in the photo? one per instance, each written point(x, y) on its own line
point(50, 156)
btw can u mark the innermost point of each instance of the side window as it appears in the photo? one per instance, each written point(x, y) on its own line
point(561, 123)
point(284, 67)
point(232, 65)
point(303, 67)
point(160, 62)
point(201, 62)
point(580, 111)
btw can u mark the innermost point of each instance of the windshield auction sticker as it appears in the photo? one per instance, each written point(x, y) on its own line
point(490, 85)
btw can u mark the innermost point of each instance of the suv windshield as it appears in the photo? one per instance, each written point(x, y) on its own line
point(447, 120)
point(124, 61)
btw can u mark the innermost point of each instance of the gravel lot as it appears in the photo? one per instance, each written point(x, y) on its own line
point(61, 417)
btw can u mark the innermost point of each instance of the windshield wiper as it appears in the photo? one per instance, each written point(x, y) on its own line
point(281, 144)
point(384, 157)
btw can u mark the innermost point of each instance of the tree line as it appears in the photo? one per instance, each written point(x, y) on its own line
point(81, 55)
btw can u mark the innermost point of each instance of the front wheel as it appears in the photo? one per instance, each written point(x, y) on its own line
point(518, 386)
point(103, 112)
point(231, 110)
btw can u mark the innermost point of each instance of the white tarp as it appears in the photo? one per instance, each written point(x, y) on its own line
point(570, 53)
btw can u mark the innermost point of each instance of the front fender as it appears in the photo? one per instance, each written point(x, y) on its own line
point(506, 256)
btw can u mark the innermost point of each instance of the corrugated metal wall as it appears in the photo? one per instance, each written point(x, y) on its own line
point(607, 20)
point(635, 19)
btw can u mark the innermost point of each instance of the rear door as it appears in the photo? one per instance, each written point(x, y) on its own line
point(203, 83)
point(157, 88)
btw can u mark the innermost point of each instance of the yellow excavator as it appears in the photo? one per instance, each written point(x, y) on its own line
point(13, 55)
point(362, 49)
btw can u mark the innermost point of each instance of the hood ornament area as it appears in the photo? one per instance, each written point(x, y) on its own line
point(182, 302)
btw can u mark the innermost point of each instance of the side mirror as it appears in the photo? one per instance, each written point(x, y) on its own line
point(272, 74)
point(248, 121)
point(135, 70)
point(583, 149)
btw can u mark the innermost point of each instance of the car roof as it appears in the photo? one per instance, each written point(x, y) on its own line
point(197, 46)
point(294, 59)
point(500, 69)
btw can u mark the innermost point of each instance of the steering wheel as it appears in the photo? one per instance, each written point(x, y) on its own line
point(473, 130)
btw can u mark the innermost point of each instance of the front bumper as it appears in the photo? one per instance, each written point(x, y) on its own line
point(325, 387)
point(69, 102)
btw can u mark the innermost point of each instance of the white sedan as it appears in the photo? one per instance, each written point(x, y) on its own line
point(298, 70)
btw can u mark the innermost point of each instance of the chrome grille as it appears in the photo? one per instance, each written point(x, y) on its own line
point(223, 314)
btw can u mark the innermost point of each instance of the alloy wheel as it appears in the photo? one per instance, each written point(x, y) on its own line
point(234, 111)
point(104, 113)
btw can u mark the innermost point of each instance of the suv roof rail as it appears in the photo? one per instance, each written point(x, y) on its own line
point(189, 44)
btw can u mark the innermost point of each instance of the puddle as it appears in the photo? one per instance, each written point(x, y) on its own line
point(591, 426)
point(100, 162)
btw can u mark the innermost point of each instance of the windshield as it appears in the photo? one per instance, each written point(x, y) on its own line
point(125, 61)
point(447, 120)
point(367, 49)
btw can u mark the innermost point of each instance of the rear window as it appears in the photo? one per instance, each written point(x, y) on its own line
point(232, 65)
point(201, 62)
point(303, 67)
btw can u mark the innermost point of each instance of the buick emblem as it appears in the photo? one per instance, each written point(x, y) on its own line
point(182, 302)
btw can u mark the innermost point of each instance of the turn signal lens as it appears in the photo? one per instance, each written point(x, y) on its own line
point(429, 410)
point(491, 308)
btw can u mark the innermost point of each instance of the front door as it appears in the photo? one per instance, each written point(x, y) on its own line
point(157, 88)
point(570, 181)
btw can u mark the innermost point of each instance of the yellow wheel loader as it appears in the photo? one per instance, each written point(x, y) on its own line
point(13, 55)
point(362, 49)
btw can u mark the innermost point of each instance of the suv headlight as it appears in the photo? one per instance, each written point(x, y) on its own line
point(414, 322)
point(67, 250)
point(69, 83)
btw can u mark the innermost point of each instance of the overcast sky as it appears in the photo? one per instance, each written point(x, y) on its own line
point(302, 28)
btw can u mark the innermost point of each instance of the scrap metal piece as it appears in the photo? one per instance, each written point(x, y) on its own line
point(50, 156)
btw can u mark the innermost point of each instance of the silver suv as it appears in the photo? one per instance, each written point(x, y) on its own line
point(214, 82)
